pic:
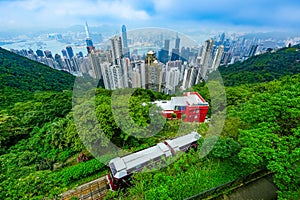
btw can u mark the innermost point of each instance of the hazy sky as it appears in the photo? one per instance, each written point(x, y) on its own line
point(282, 15)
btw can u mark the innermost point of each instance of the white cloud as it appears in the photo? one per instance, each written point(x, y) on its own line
point(54, 13)
point(255, 13)
point(114, 9)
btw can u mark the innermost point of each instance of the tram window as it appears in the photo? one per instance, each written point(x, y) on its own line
point(113, 168)
point(138, 166)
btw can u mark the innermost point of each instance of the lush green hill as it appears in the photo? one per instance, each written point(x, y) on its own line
point(262, 129)
point(39, 140)
point(263, 68)
point(21, 77)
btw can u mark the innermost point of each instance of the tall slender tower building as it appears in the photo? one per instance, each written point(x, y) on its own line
point(95, 58)
point(189, 78)
point(164, 52)
point(124, 36)
point(217, 58)
point(153, 72)
point(175, 51)
point(126, 52)
point(70, 52)
point(116, 50)
point(89, 43)
point(206, 59)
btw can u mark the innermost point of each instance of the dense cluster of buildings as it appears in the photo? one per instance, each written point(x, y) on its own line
point(164, 70)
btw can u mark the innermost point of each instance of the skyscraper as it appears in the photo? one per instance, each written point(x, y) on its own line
point(116, 79)
point(124, 36)
point(164, 53)
point(48, 54)
point(95, 64)
point(116, 50)
point(205, 59)
point(189, 78)
point(64, 53)
point(175, 51)
point(70, 52)
point(136, 79)
point(89, 43)
point(253, 50)
point(106, 74)
point(126, 52)
point(39, 53)
point(58, 61)
point(175, 54)
point(217, 58)
point(153, 72)
point(172, 79)
point(139, 67)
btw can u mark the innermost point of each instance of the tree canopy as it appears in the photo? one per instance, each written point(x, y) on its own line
point(40, 144)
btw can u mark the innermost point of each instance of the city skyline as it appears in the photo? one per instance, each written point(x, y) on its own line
point(178, 61)
point(222, 15)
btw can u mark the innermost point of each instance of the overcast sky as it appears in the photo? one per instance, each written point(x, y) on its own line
point(260, 15)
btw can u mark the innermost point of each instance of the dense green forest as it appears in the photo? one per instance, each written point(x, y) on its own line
point(20, 78)
point(262, 131)
point(40, 144)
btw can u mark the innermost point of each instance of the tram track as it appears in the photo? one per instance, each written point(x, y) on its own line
point(94, 190)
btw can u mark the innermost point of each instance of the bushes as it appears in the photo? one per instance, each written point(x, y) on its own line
point(225, 148)
point(184, 178)
point(38, 184)
point(79, 171)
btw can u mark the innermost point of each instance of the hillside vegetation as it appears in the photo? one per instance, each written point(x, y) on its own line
point(21, 77)
point(39, 141)
point(261, 131)
point(263, 68)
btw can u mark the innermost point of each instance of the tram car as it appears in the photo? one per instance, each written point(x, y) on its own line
point(122, 168)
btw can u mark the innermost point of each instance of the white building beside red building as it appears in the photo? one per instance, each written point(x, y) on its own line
point(191, 107)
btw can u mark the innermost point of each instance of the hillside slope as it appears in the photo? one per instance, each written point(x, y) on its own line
point(21, 77)
point(263, 68)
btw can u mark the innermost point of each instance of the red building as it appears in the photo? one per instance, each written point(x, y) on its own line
point(191, 107)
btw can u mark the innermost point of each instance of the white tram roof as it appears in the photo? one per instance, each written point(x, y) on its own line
point(135, 160)
point(183, 140)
